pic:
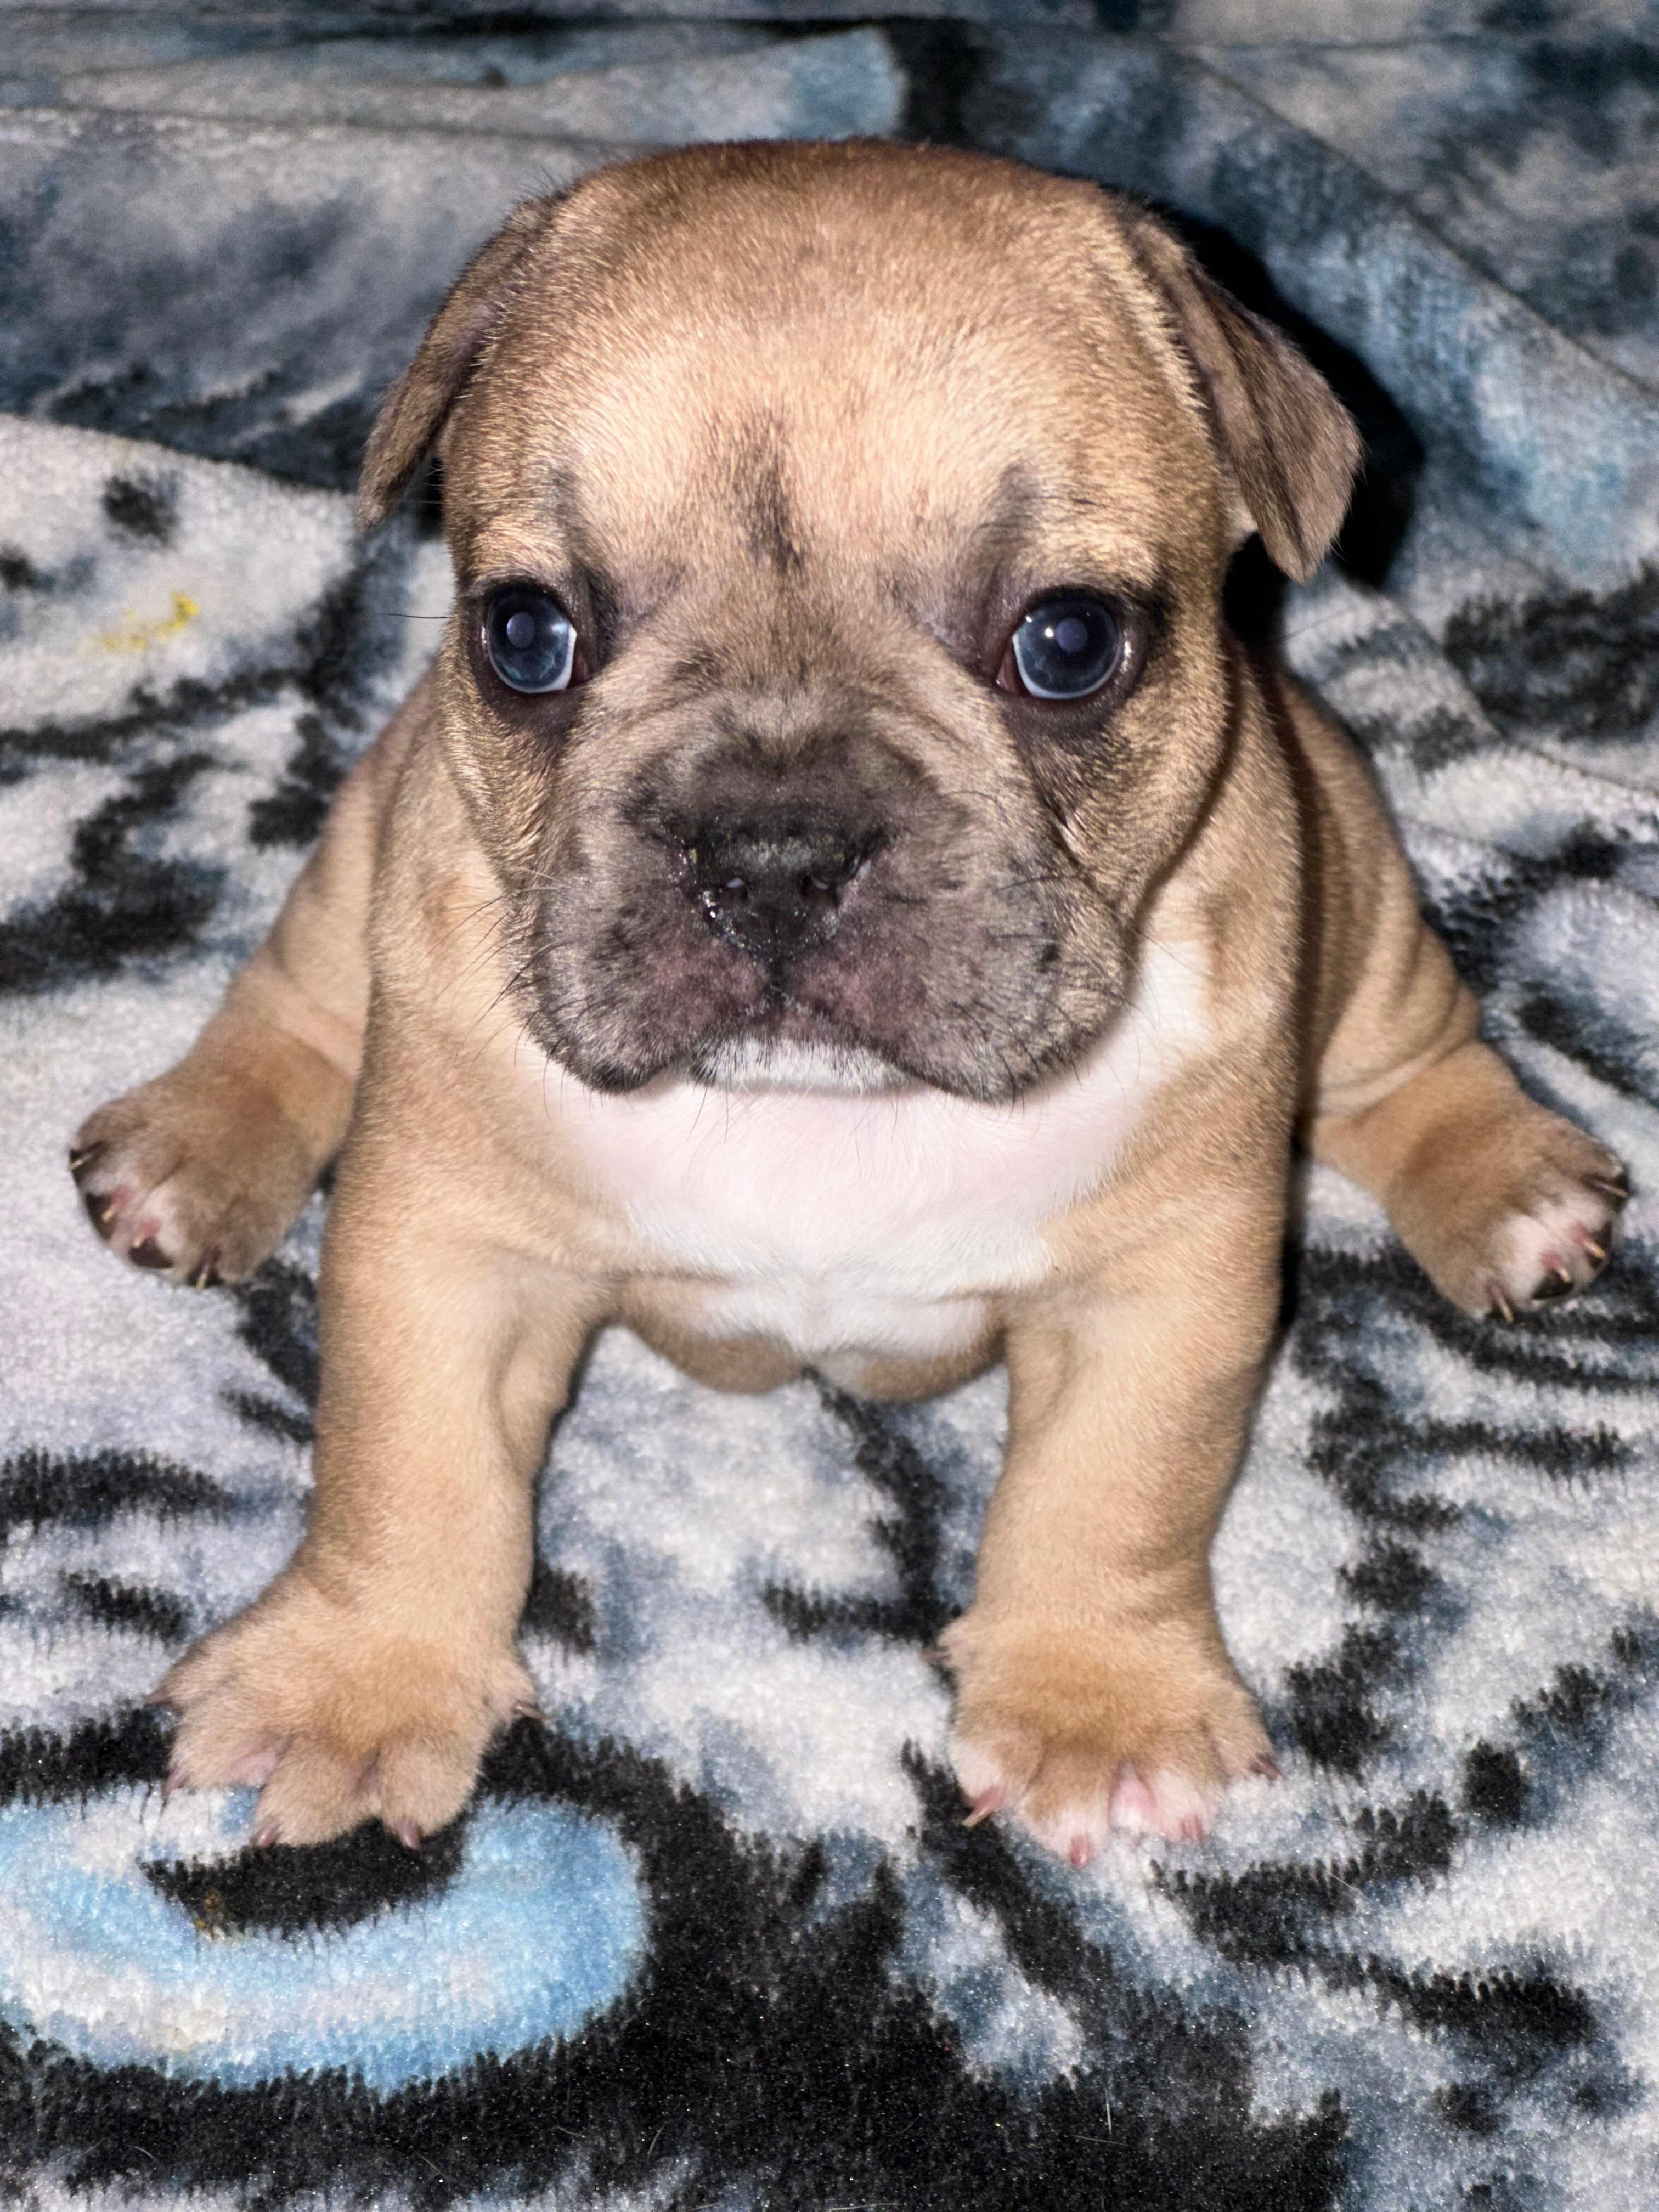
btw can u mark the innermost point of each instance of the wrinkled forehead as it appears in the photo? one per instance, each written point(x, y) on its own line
point(795, 385)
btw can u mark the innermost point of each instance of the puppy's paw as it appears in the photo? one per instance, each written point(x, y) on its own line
point(196, 1175)
point(1559, 1242)
point(1141, 1733)
point(1518, 1221)
point(337, 1719)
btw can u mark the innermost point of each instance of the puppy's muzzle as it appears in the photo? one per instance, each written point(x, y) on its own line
point(774, 889)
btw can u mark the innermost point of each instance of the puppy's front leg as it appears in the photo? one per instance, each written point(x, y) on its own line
point(370, 1676)
point(1094, 1690)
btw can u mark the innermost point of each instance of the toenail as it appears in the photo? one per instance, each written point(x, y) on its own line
point(149, 1254)
point(98, 1210)
point(408, 1835)
point(1618, 1192)
point(264, 1836)
point(1082, 1851)
point(1556, 1285)
point(1267, 1768)
point(83, 1157)
point(987, 1802)
point(207, 1276)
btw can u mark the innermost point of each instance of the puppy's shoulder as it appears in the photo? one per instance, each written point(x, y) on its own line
point(436, 901)
point(1237, 888)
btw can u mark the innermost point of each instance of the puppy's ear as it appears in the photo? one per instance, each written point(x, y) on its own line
point(1283, 437)
point(413, 412)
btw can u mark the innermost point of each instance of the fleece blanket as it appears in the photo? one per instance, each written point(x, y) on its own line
point(713, 1934)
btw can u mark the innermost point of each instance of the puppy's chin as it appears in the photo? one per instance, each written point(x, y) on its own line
point(628, 1057)
point(766, 1063)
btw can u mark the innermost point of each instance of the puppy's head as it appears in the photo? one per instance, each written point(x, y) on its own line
point(839, 534)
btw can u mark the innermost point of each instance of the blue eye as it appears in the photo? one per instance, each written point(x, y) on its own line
point(1067, 647)
point(530, 639)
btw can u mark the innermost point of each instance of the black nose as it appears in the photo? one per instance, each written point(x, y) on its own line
point(774, 889)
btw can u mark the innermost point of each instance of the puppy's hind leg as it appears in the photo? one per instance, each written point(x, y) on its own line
point(198, 1174)
point(1505, 1206)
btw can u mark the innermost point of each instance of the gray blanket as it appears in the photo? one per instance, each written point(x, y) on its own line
point(716, 1937)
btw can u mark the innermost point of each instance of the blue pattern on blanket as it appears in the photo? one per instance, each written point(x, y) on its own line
point(540, 1927)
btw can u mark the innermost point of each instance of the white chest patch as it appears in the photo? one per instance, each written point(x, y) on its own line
point(833, 1221)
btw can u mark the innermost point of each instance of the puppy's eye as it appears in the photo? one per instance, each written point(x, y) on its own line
point(530, 639)
point(1064, 649)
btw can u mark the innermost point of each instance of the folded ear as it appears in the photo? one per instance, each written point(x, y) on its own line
point(1281, 436)
point(413, 412)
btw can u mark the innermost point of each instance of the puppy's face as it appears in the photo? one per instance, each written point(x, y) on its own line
point(837, 661)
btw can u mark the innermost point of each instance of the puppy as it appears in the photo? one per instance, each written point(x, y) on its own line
point(838, 714)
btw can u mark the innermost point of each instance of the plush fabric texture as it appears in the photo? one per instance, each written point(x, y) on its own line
point(714, 1935)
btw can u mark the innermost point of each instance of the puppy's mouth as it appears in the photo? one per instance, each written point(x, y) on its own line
point(901, 1012)
point(771, 1043)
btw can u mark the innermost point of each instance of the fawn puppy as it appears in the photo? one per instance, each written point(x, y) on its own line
point(838, 718)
